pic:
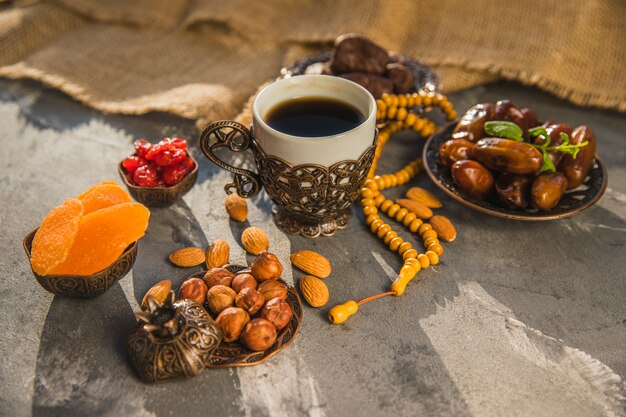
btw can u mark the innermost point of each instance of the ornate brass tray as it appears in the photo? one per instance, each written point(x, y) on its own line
point(231, 354)
point(572, 203)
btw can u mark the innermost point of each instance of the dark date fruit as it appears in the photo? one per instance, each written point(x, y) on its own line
point(401, 76)
point(472, 125)
point(530, 117)
point(356, 53)
point(547, 190)
point(375, 84)
point(508, 156)
point(576, 170)
point(456, 150)
point(555, 130)
point(472, 177)
point(505, 110)
point(514, 190)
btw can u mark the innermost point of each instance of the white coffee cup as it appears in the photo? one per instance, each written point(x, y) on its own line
point(325, 150)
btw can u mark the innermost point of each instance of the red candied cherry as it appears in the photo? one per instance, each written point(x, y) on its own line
point(132, 163)
point(154, 151)
point(172, 175)
point(179, 143)
point(170, 157)
point(146, 176)
point(142, 147)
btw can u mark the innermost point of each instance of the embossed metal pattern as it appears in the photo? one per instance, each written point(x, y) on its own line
point(183, 355)
point(237, 138)
point(160, 196)
point(84, 286)
point(572, 203)
point(232, 354)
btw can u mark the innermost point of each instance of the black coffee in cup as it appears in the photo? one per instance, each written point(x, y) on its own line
point(314, 117)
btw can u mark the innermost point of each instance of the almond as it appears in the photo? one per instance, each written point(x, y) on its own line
point(237, 207)
point(254, 240)
point(312, 263)
point(218, 254)
point(160, 291)
point(187, 257)
point(314, 291)
point(419, 209)
point(444, 228)
point(423, 196)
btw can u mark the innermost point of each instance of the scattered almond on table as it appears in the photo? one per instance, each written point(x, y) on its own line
point(218, 254)
point(237, 207)
point(423, 196)
point(420, 210)
point(187, 257)
point(254, 240)
point(311, 263)
point(444, 228)
point(314, 291)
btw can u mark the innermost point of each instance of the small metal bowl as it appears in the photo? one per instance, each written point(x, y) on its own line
point(573, 202)
point(84, 286)
point(234, 354)
point(160, 196)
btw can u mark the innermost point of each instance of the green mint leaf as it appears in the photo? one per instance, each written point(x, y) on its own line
point(538, 130)
point(506, 130)
point(548, 165)
point(565, 138)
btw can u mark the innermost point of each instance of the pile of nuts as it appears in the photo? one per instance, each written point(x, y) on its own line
point(359, 59)
point(250, 306)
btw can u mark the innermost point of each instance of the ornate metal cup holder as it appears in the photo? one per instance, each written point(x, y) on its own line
point(310, 200)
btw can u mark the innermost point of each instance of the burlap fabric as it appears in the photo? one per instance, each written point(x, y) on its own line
point(201, 59)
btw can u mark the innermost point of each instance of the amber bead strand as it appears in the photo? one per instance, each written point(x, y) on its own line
point(394, 111)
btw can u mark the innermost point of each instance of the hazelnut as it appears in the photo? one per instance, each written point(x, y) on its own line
point(278, 312)
point(259, 334)
point(220, 297)
point(218, 276)
point(266, 267)
point(193, 289)
point(242, 281)
point(250, 300)
point(273, 289)
point(231, 322)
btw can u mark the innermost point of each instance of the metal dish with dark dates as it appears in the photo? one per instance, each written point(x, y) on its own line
point(501, 156)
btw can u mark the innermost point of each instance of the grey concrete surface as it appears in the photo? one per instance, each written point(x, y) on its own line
point(519, 319)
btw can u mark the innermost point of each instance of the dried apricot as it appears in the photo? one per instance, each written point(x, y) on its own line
point(56, 235)
point(102, 237)
point(103, 195)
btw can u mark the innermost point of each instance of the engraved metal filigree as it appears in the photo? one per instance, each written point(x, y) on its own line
point(85, 286)
point(177, 348)
point(237, 138)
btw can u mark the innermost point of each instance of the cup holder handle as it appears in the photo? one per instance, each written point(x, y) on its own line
point(237, 138)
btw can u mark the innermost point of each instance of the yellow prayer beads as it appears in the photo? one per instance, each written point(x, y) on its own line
point(396, 112)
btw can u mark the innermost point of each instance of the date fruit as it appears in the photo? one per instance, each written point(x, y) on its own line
point(377, 85)
point(555, 130)
point(514, 190)
point(356, 53)
point(472, 177)
point(576, 170)
point(456, 150)
point(508, 156)
point(472, 125)
point(548, 189)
